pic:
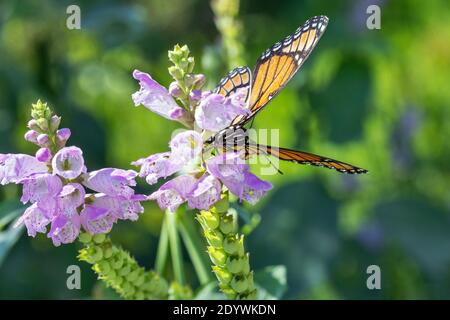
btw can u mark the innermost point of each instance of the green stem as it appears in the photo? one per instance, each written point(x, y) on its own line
point(195, 248)
point(163, 248)
point(175, 248)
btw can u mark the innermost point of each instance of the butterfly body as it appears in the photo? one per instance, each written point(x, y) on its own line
point(273, 70)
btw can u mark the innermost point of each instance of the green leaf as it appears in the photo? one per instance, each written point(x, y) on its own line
point(8, 212)
point(271, 282)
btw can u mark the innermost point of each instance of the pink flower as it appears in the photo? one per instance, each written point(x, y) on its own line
point(174, 192)
point(68, 162)
point(155, 97)
point(110, 181)
point(64, 229)
point(15, 167)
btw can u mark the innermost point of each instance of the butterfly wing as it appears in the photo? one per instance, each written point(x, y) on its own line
point(236, 79)
point(278, 64)
point(304, 158)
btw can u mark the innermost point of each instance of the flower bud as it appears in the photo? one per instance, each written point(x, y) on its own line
point(176, 73)
point(175, 90)
point(117, 262)
point(31, 136)
point(226, 224)
point(190, 65)
point(54, 123)
point(199, 81)
point(43, 140)
point(223, 275)
point(239, 284)
point(234, 265)
point(85, 237)
point(104, 266)
point(99, 238)
point(210, 219)
point(44, 155)
point(63, 134)
point(125, 270)
point(33, 125)
point(214, 238)
point(231, 244)
point(42, 124)
point(218, 256)
point(195, 96)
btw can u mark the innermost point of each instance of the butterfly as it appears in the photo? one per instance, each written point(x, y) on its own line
point(273, 70)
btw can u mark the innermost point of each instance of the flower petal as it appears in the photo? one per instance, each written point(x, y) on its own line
point(15, 167)
point(96, 219)
point(35, 220)
point(40, 186)
point(113, 182)
point(205, 193)
point(155, 97)
point(64, 229)
point(68, 162)
point(174, 192)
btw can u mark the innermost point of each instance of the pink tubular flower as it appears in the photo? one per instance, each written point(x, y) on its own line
point(96, 219)
point(204, 193)
point(35, 220)
point(155, 97)
point(15, 167)
point(157, 166)
point(68, 162)
point(110, 181)
point(186, 146)
point(174, 192)
point(215, 112)
point(40, 186)
point(64, 229)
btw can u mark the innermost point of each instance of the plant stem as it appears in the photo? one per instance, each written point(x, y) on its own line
point(175, 248)
point(194, 246)
point(163, 248)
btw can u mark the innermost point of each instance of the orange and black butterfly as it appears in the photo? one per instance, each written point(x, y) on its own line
point(276, 66)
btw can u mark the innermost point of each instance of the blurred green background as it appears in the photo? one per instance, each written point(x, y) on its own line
point(379, 99)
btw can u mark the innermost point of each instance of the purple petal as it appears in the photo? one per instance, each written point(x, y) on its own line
point(124, 209)
point(230, 169)
point(215, 112)
point(254, 188)
point(205, 193)
point(64, 229)
point(157, 166)
point(40, 186)
point(186, 146)
point(96, 219)
point(72, 195)
point(68, 162)
point(15, 167)
point(44, 155)
point(113, 182)
point(155, 97)
point(35, 220)
point(174, 192)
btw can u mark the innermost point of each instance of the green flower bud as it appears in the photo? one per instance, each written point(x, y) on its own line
point(245, 264)
point(124, 270)
point(176, 73)
point(139, 280)
point(210, 218)
point(107, 252)
point(85, 237)
point(104, 266)
point(222, 275)
point(218, 256)
point(117, 262)
point(214, 238)
point(95, 254)
point(234, 264)
point(99, 238)
point(132, 276)
point(227, 224)
point(239, 284)
point(231, 244)
point(190, 64)
point(185, 51)
point(33, 125)
point(223, 204)
point(42, 123)
point(229, 292)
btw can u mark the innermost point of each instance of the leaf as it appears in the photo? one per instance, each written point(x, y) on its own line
point(271, 282)
point(9, 236)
